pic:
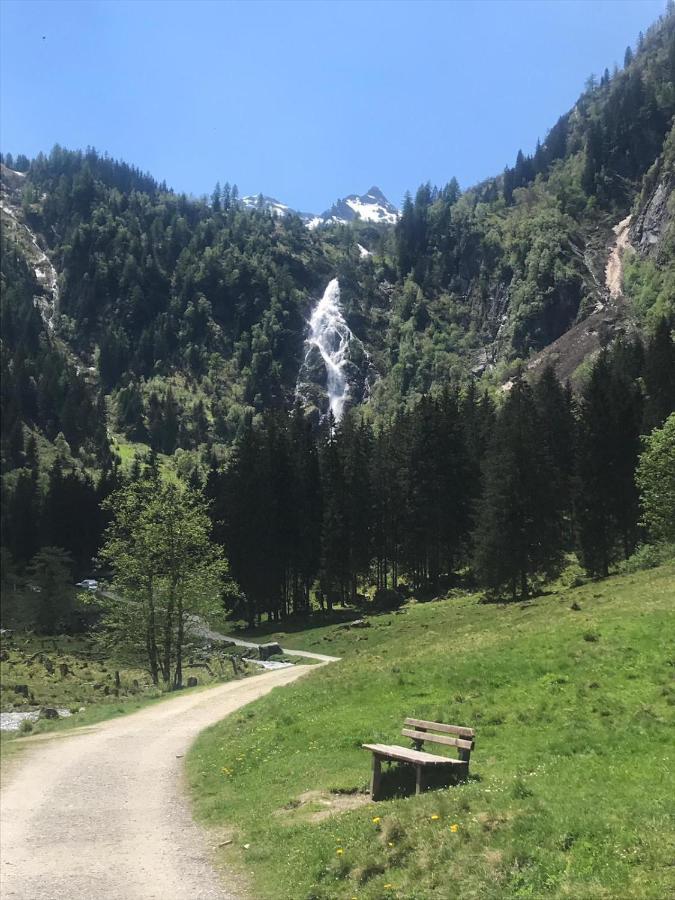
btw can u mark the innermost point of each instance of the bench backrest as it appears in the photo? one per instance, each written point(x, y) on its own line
point(420, 730)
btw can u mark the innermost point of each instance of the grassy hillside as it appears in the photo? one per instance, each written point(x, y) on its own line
point(572, 784)
point(86, 687)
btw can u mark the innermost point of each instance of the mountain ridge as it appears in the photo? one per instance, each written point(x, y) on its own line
point(372, 206)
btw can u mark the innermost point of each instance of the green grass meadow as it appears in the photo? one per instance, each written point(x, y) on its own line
point(88, 690)
point(572, 787)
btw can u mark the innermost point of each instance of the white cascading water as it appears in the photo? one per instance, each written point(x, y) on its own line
point(330, 334)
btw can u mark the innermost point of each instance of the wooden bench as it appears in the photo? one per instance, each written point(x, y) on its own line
point(419, 731)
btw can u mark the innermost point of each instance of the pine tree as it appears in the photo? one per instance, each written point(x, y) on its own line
point(519, 532)
point(607, 500)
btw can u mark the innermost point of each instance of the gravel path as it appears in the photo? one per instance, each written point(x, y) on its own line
point(101, 813)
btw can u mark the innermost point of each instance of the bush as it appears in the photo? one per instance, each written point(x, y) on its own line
point(386, 599)
point(648, 556)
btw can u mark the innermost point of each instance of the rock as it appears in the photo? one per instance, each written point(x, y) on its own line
point(48, 712)
point(21, 689)
point(575, 606)
point(192, 681)
point(357, 623)
point(269, 649)
point(649, 227)
point(98, 686)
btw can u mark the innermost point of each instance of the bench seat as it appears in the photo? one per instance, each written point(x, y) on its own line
point(415, 757)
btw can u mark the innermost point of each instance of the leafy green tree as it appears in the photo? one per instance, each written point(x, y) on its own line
point(656, 481)
point(166, 572)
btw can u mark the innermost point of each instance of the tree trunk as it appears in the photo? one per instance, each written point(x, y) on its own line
point(178, 679)
point(151, 641)
point(168, 632)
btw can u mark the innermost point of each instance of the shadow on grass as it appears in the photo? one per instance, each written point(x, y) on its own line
point(293, 624)
point(398, 780)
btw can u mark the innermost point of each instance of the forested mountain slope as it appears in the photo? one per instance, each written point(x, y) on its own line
point(132, 312)
point(194, 311)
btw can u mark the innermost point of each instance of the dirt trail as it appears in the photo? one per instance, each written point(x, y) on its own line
point(614, 269)
point(101, 813)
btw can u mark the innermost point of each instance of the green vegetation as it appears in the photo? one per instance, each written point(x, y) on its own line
point(656, 478)
point(166, 573)
point(71, 672)
point(572, 779)
point(74, 673)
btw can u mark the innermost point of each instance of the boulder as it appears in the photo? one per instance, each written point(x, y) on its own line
point(48, 712)
point(357, 623)
point(269, 649)
point(192, 681)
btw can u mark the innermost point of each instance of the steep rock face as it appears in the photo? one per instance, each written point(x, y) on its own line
point(652, 221)
point(656, 206)
point(14, 224)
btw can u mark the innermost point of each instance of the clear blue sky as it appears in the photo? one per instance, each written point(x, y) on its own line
point(306, 101)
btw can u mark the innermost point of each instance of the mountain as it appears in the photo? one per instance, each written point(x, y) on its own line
point(372, 207)
point(261, 202)
point(184, 318)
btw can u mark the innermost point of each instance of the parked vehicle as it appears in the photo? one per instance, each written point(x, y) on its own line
point(89, 584)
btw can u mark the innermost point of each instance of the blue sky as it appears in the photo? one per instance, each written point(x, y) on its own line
point(306, 101)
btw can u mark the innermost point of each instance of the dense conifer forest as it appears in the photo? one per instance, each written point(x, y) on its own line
point(169, 344)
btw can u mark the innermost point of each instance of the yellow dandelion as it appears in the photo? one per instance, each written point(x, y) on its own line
point(339, 851)
point(391, 843)
point(434, 818)
point(454, 828)
point(376, 820)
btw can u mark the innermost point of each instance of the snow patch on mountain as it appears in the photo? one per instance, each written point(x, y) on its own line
point(370, 207)
point(269, 203)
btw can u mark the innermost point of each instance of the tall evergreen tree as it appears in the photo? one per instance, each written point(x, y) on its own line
point(519, 531)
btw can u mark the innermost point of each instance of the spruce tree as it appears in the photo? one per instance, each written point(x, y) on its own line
point(519, 531)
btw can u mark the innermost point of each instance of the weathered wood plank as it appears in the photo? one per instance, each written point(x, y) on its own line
point(419, 779)
point(415, 757)
point(376, 777)
point(460, 730)
point(437, 739)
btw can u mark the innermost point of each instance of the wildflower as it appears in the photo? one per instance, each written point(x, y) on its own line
point(391, 843)
point(454, 828)
point(376, 820)
point(434, 817)
point(339, 851)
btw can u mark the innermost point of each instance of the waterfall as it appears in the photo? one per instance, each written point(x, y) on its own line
point(330, 335)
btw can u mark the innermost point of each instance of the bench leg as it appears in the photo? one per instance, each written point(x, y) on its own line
point(377, 775)
point(419, 782)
